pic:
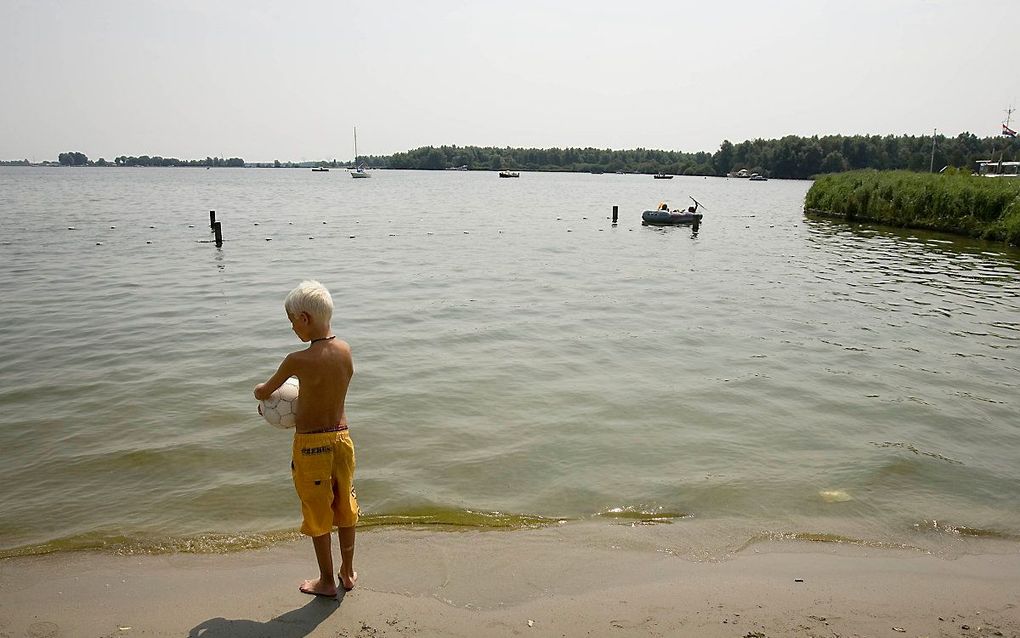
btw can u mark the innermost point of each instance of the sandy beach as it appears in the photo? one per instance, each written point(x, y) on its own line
point(569, 580)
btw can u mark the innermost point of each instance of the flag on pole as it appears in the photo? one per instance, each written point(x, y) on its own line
point(1008, 131)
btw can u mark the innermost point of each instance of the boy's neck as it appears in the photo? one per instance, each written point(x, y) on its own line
point(320, 333)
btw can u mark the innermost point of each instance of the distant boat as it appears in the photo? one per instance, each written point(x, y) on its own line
point(457, 168)
point(991, 168)
point(755, 177)
point(359, 170)
point(662, 176)
point(741, 173)
point(320, 169)
point(508, 174)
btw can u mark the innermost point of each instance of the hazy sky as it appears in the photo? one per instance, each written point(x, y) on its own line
point(288, 80)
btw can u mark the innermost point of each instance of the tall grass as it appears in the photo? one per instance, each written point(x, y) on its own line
point(983, 207)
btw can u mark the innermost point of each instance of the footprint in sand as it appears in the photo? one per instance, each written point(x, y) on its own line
point(43, 630)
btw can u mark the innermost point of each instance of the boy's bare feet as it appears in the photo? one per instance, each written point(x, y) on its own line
point(347, 582)
point(318, 588)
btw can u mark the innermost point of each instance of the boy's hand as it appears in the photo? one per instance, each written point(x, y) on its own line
point(260, 392)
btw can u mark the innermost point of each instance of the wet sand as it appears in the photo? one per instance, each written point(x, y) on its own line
point(571, 580)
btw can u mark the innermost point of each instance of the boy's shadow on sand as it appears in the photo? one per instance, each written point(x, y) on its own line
point(293, 624)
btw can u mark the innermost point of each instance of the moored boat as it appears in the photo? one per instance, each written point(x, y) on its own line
point(662, 176)
point(509, 174)
point(990, 168)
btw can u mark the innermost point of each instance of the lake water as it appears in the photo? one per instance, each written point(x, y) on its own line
point(520, 361)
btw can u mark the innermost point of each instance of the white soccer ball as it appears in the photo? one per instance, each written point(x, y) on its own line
point(280, 409)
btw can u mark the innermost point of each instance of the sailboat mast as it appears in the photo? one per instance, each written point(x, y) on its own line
point(359, 170)
point(1005, 125)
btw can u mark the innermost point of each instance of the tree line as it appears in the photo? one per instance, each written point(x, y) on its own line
point(792, 157)
point(145, 160)
point(75, 158)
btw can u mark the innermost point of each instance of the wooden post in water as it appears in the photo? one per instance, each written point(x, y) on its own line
point(212, 219)
point(219, 234)
point(616, 211)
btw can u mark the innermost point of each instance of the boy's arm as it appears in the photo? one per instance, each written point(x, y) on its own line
point(286, 370)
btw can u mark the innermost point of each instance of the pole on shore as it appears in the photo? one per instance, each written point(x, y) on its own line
point(212, 219)
point(616, 211)
point(931, 167)
point(219, 233)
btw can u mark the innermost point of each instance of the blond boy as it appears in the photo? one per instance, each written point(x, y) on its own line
point(323, 456)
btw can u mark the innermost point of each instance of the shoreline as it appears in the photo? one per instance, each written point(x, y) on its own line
point(683, 536)
point(566, 580)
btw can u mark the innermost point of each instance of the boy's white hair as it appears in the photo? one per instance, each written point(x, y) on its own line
point(311, 297)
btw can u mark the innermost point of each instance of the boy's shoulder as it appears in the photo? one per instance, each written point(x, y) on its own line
point(339, 345)
point(336, 345)
point(342, 351)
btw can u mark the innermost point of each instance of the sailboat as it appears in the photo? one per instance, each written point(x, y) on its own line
point(359, 169)
point(991, 167)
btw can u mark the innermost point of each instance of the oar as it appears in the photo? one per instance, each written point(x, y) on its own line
point(697, 204)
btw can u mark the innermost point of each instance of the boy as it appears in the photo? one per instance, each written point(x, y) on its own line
point(323, 456)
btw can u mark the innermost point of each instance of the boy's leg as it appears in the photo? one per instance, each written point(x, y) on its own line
point(347, 574)
point(324, 585)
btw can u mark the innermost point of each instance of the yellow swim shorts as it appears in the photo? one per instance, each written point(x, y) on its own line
point(323, 469)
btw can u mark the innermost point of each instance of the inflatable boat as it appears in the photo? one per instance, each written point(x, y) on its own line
point(669, 217)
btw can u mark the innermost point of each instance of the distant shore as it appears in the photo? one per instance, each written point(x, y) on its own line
point(571, 580)
point(790, 157)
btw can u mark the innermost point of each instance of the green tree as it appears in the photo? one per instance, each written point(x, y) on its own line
point(722, 161)
point(435, 160)
point(809, 160)
point(73, 159)
point(834, 162)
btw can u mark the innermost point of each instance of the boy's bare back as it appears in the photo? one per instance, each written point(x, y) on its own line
point(324, 371)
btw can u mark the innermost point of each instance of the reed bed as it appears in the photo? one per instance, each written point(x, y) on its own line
point(988, 208)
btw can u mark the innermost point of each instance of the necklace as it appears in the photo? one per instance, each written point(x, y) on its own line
point(322, 339)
